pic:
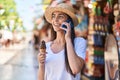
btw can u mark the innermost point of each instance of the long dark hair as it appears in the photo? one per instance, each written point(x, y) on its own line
point(47, 26)
point(66, 57)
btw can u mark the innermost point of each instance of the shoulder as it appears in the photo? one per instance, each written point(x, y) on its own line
point(80, 40)
point(80, 45)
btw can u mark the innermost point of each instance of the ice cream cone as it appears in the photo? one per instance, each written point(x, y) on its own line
point(43, 47)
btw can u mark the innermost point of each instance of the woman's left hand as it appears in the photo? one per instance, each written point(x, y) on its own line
point(67, 30)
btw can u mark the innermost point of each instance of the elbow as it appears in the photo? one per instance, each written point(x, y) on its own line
point(76, 71)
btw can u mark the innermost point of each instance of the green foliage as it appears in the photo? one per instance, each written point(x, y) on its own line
point(10, 13)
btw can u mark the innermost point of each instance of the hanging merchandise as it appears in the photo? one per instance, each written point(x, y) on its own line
point(96, 38)
point(116, 10)
point(108, 8)
point(116, 30)
point(98, 11)
point(100, 23)
point(101, 30)
point(111, 59)
point(116, 27)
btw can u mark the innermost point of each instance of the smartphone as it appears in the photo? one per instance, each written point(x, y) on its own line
point(69, 20)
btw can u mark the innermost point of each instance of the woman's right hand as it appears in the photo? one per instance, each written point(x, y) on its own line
point(41, 58)
point(41, 71)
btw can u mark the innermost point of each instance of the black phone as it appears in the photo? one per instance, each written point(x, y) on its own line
point(69, 20)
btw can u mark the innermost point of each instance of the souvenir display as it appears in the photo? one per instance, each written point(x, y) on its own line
point(111, 59)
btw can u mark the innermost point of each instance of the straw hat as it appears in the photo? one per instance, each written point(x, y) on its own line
point(65, 8)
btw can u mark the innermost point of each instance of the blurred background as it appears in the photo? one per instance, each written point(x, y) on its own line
point(23, 26)
point(18, 25)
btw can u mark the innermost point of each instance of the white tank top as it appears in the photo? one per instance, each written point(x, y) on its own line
point(55, 63)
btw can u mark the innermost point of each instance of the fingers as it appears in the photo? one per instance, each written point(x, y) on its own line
point(42, 55)
point(41, 58)
point(67, 25)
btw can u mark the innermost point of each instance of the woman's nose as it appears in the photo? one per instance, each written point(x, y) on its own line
point(56, 19)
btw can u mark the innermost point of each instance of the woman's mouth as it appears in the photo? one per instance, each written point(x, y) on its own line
point(56, 25)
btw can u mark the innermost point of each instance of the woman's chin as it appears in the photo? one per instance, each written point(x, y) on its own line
point(57, 29)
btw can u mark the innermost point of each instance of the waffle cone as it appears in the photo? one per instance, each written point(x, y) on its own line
point(42, 50)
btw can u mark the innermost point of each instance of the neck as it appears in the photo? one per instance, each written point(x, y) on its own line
point(60, 37)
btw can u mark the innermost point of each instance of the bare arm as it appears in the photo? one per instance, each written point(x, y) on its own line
point(76, 63)
point(41, 72)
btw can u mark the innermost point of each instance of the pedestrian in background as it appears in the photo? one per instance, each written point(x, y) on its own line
point(65, 55)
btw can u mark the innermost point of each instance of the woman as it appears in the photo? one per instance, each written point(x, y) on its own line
point(65, 54)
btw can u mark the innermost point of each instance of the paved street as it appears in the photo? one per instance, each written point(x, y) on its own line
point(20, 64)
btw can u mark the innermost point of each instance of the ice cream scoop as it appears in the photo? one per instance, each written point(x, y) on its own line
point(42, 46)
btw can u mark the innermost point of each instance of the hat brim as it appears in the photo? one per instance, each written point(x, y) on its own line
point(50, 10)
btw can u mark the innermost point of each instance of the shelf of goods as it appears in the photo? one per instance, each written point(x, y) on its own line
point(95, 51)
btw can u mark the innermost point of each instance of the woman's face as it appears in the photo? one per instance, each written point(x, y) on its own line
point(57, 19)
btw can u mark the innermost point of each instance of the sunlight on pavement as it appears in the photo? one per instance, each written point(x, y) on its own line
point(8, 53)
point(6, 56)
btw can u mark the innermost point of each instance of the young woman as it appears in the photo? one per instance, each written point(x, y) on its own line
point(65, 55)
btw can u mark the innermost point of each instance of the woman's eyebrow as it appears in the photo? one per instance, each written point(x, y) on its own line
point(62, 14)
